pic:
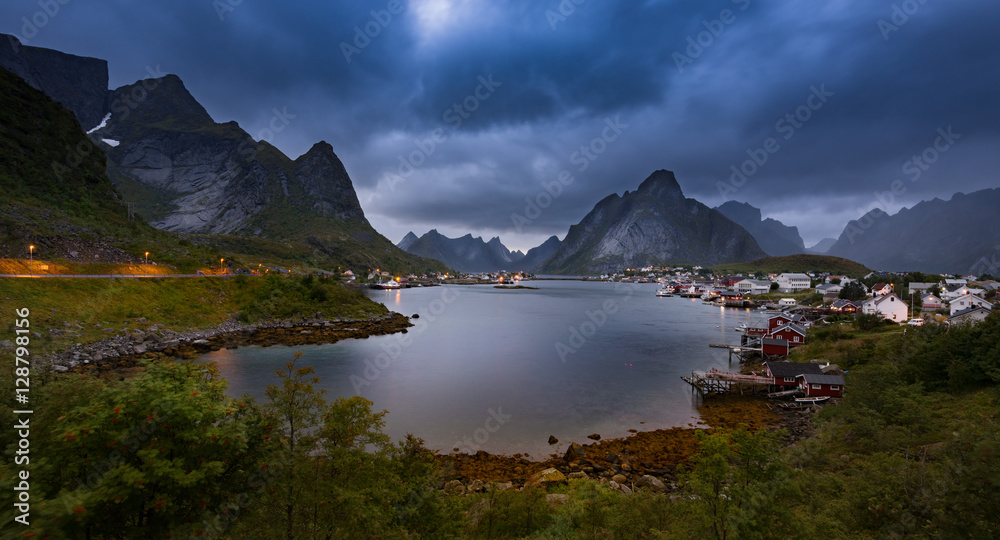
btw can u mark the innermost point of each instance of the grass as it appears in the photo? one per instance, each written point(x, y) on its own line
point(795, 263)
point(69, 311)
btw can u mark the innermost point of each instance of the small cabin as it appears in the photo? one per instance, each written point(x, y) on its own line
point(785, 373)
point(794, 334)
point(821, 385)
point(774, 347)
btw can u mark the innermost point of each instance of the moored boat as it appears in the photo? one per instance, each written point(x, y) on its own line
point(812, 399)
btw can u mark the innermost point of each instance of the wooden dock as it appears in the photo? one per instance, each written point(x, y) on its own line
point(722, 382)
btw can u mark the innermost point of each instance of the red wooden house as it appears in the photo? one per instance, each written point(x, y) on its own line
point(821, 385)
point(774, 347)
point(794, 334)
point(778, 320)
point(785, 373)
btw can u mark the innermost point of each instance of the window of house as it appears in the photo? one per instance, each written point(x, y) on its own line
point(835, 387)
point(796, 339)
point(817, 386)
point(789, 379)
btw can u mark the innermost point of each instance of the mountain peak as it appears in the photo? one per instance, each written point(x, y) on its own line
point(660, 182)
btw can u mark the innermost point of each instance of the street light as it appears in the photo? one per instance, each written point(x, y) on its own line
point(31, 259)
point(147, 262)
point(221, 268)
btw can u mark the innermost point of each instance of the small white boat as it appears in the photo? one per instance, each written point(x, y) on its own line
point(664, 292)
point(388, 285)
point(812, 399)
point(741, 328)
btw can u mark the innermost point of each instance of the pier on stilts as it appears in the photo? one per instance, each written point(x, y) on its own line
point(721, 382)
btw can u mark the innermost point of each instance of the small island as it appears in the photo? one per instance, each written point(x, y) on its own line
point(514, 287)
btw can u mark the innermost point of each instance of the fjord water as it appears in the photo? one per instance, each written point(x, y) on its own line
point(479, 355)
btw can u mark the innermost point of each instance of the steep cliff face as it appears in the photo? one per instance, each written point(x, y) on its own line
point(78, 83)
point(773, 236)
point(654, 225)
point(961, 235)
point(181, 171)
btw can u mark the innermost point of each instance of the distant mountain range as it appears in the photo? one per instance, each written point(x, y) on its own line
point(183, 172)
point(468, 254)
point(822, 246)
point(961, 235)
point(773, 236)
point(654, 225)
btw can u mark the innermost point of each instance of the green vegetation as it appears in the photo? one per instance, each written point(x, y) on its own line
point(83, 310)
point(794, 263)
point(909, 452)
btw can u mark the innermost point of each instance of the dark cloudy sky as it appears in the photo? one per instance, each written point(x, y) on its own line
point(558, 73)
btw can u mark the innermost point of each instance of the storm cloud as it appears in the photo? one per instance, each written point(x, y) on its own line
point(460, 115)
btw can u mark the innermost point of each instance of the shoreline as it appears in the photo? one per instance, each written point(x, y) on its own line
point(662, 454)
point(124, 351)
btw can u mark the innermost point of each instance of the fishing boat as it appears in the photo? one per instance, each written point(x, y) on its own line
point(387, 285)
point(812, 399)
point(742, 327)
point(664, 292)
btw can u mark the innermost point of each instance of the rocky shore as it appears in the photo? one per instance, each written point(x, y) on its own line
point(649, 459)
point(124, 350)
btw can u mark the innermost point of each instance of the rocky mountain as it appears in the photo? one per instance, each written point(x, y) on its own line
point(78, 83)
point(961, 235)
point(535, 256)
point(183, 172)
point(465, 254)
point(822, 246)
point(773, 236)
point(654, 225)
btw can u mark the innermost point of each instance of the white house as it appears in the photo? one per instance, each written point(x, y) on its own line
point(963, 303)
point(889, 306)
point(917, 287)
point(972, 315)
point(950, 282)
point(825, 288)
point(881, 289)
point(931, 302)
point(793, 282)
point(788, 302)
point(752, 286)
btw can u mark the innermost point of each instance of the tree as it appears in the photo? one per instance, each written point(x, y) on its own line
point(853, 291)
point(738, 479)
point(163, 452)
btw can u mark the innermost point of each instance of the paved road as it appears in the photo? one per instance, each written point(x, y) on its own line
point(116, 276)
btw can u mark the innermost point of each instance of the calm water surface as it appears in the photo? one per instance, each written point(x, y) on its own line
point(570, 359)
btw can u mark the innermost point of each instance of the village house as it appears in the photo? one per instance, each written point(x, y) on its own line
point(973, 315)
point(774, 347)
point(821, 385)
point(917, 287)
point(787, 302)
point(828, 288)
point(881, 289)
point(785, 373)
point(968, 301)
point(793, 282)
point(931, 302)
point(794, 334)
point(752, 286)
point(844, 306)
point(889, 307)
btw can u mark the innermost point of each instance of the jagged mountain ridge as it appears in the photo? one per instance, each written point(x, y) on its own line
point(654, 225)
point(773, 236)
point(823, 246)
point(960, 235)
point(184, 172)
point(469, 254)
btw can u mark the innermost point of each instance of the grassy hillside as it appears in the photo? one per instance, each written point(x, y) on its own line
point(795, 263)
point(68, 311)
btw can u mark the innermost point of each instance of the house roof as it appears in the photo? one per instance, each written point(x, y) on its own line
point(921, 285)
point(811, 378)
point(795, 276)
point(775, 342)
point(790, 326)
point(792, 369)
point(878, 286)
